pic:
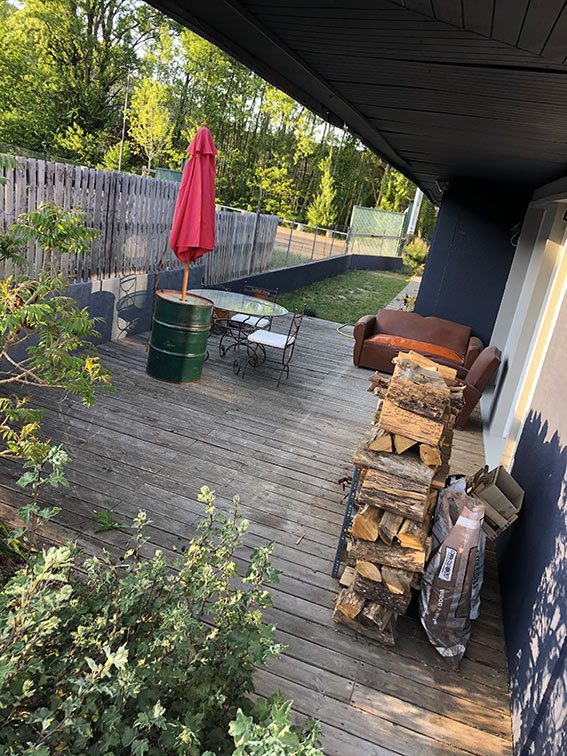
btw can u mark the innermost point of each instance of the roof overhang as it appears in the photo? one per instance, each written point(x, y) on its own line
point(476, 93)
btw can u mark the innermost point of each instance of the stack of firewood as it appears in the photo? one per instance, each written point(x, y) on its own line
point(404, 461)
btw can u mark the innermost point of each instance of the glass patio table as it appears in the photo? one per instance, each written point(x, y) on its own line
point(242, 304)
point(251, 313)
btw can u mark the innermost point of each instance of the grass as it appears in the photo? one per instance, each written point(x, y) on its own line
point(347, 297)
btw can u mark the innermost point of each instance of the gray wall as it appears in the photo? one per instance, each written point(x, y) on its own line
point(125, 304)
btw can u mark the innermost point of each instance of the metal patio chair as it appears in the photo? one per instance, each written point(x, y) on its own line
point(249, 323)
point(238, 326)
point(259, 341)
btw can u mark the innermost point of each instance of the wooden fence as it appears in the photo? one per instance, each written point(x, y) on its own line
point(133, 215)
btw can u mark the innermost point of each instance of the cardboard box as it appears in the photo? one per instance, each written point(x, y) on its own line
point(502, 498)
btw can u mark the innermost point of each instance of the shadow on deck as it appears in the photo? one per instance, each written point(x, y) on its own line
point(152, 445)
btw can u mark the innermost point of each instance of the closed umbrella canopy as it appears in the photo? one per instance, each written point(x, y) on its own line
point(193, 228)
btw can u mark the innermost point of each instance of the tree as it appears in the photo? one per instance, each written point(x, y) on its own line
point(66, 61)
point(111, 157)
point(396, 191)
point(321, 212)
point(275, 190)
point(150, 121)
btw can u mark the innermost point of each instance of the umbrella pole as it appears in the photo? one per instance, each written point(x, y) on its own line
point(185, 281)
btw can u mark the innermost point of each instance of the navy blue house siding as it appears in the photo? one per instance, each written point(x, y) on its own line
point(471, 254)
point(532, 559)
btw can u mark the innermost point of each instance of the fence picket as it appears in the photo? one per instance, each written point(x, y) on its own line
point(133, 215)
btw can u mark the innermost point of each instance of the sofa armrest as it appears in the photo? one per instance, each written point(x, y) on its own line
point(362, 330)
point(471, 395)
point(474, 348)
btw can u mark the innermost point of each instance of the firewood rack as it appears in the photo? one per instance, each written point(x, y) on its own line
point(347, 520)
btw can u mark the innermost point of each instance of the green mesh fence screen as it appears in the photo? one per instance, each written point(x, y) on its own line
point(376, 232)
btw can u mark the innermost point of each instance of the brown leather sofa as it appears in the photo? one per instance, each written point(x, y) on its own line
point(378, 339)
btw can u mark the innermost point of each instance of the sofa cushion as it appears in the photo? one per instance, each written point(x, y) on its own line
point(432, 330)
point(423, 347)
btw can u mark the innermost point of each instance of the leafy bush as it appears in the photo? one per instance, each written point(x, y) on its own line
point(55, 230)
point(268, 732)
point(45, 341)
point(142, 655)
point(415, 254)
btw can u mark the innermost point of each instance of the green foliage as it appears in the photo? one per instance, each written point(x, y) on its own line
point(321, 212)
point(111, 157)
point(55, 230)
point(150, 122)
point(396, 191)
point(76, 143)
point(415, 254)
point(143, 655)
point(6, 161)
point(348, 296)
point(268, 731)
point(64, 62)
point(426, 220)
point(275, 187)
point(58, 356)
point(106, 521)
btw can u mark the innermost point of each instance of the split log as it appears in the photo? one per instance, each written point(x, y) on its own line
point(389, 525)
point(402, 443)
point(378, 592)
point(368, 570)
point(411, 505)
point(417, 427)
point(349, 603)
point(378, 384)
point(366, 523)
point(376, 615)
point(449, 374)
point(413, 535)
point(430, 455)
point(409, 471)
point(346, 579)
point(412, 560)
point(380, 441)
point(375, 492)
point(408, 370)
point(397, 582)
point(386, 636)
point(419, 398)
point(440, 477)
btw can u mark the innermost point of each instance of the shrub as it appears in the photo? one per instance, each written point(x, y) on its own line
point(415, 254)
point(268, 731)
point(142, 655)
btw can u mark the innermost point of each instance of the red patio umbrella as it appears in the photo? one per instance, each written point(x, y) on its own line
point(193, 228)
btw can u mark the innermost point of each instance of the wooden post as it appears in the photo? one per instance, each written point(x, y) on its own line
point(185, 280)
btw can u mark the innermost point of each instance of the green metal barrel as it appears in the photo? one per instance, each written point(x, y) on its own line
point(180, 330)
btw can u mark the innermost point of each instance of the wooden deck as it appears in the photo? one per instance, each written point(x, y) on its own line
point(152, 445)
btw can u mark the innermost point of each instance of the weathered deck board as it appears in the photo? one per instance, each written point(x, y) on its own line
point(152, 445)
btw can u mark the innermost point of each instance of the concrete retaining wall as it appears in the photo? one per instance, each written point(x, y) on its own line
point(125, 304)
point(290, 279)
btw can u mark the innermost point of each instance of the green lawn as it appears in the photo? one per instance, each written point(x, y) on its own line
point(345, 298)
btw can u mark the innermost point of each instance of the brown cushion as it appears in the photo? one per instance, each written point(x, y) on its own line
point(423, 347)
point(430, 329)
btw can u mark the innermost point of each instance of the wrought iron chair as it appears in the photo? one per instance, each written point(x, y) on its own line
point(258, 342)
point(238, 326)
point(249, 323)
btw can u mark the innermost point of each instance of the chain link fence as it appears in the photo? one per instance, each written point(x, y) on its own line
point(377, 232)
